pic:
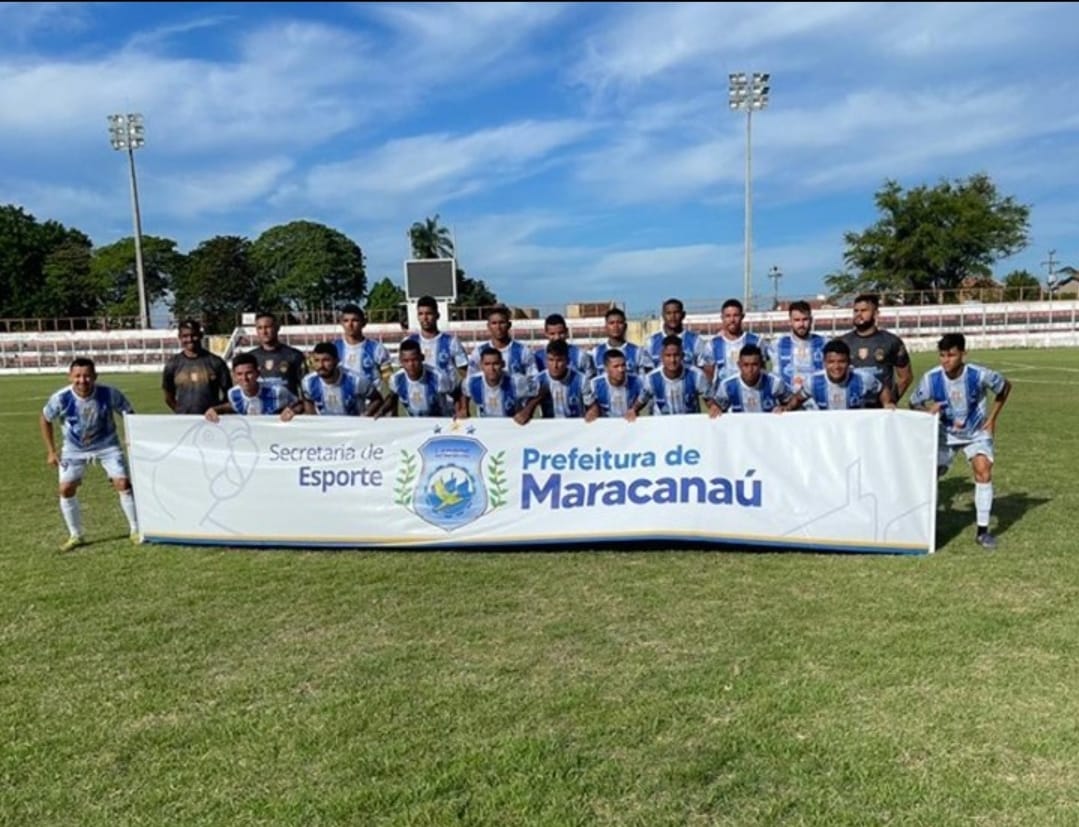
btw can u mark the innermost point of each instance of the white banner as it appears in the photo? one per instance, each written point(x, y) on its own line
point(844, 480)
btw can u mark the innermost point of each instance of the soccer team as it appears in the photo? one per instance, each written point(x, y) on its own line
point(675, 372)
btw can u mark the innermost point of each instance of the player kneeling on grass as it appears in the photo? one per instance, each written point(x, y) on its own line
point(86, 411)
point(249, 397)
point(957, 392)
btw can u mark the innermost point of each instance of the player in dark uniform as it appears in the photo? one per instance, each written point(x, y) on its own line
point(278, 363)
point(194, 380)
point(881, 352)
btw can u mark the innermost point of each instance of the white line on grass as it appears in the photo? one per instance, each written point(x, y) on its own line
point(1013, 366)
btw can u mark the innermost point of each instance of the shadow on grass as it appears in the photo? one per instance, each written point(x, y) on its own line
point(89, 545)
point(955, 518)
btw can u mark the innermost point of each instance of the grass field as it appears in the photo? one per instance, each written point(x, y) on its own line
point(168, 685)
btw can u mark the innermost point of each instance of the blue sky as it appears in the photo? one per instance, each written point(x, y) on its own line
point(578, 153)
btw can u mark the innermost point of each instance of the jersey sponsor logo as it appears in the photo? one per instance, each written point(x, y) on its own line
point(269, 364)
point(863, 353)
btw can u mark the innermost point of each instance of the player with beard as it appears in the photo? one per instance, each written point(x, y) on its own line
point(334, 390)
point(726, 346)
point(800, 353)
point(879, 351)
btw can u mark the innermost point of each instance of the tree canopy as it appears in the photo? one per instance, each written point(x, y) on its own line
point(112, 268)
point(43, 267)
point(1020, 284)
point(385, 300)
point(305, 265)
point(430, 239)
point(218, 284)
point(929, 239)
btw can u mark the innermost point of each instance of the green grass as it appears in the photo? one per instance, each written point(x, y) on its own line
point(167, 685)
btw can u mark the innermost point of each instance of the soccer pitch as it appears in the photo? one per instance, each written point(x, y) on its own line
point(168, 685)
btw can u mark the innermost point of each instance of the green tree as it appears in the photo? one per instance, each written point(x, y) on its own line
point(307, 266)
point(218, 284)
point(430, 239)
point(113, 267)
point(384, 301)
point(27, 247)
point(70, 288)
point(1020, 285)
point(473, 292)
point(21, 260)
point(928, 239)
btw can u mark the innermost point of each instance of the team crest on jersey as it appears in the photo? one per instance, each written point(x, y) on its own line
point(863, 353)
point(878, 354)
point(269, 364)
point(448, 483)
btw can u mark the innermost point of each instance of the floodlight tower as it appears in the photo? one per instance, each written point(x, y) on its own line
point(126, 132)
point(749, 93)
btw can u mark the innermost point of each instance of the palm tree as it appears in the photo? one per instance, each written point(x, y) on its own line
point(430, 239)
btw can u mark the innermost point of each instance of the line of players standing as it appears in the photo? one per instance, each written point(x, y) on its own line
point(677, 371)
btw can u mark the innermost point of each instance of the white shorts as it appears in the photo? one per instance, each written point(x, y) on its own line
point(946, 453)
point(73, 463)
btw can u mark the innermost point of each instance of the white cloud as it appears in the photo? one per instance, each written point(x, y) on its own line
point(432, 169)
point(221, 190)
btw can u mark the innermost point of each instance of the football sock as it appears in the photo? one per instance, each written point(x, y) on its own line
point(69, 508)
point(983, 503)
point(127, 503)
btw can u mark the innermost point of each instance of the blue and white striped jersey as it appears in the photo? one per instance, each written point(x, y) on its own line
point(735, 396)
point(676, 396)
point(347, 397)
point(367, 357)
point(725, 352)
point(516, 357)
point(963, 399)
point(443, 351)
point(87, 424)
point(797, 359)
point(638, 359)
point(579, 359)
point(694, 348)
point(270, 399)
point(504, 399)
point(566, 398)
point(856, 391)
point(426, 396)
point(615, 400)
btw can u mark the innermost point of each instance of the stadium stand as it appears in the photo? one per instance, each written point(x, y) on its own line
point(987, 326)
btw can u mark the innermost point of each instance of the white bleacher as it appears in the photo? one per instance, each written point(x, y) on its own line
point(1003, 325)
point(113, 351)
point(987, 326)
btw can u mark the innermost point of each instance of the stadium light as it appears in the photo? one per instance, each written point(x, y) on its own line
point(126, 132)
point(775, 274)
point(749, 93)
